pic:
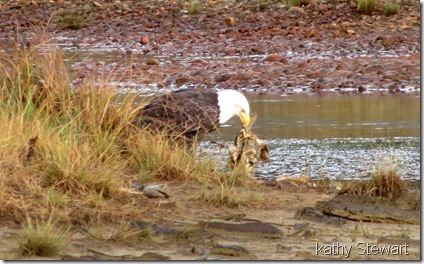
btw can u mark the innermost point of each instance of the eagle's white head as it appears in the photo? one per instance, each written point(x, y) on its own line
point(233, 103)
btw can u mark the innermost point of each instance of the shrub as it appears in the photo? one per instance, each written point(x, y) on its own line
point(391, 8)
point(194, 7)
point(41, 239)
point(299, 2)
point(262, 5)
point(367, 6)
point(385, 182)
point(60, 146)
point(73, 19)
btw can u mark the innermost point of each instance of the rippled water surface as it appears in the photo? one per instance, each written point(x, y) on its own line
point(347, 158)
point(332, 135)
point(312, 116)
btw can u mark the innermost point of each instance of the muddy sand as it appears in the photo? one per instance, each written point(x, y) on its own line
point(292, 221)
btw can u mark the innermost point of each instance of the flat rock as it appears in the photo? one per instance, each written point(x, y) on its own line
point(144, 40)
point(152, 62)
point(373, 209)
point(97, 254)
point(233, 251)
point(153, 256)
point(314, 214)
point(230, 21)
point(256, 229)
point(157, 229)
point(276, 57)
point(223, 77)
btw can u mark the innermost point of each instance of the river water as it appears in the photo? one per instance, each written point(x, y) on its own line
point(331, 135)
point(336, 134)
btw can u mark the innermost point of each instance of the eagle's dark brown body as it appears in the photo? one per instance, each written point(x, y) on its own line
point(184, 114)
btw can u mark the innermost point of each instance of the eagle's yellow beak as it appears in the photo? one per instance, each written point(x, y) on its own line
point(245, 118)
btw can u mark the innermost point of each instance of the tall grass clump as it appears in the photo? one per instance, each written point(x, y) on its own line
point(33, 84)
point(299, 2)
point(385, 182)
point(156, 157)
point(194, 7)
point(262, 5)
point(73, 19)
point(367, 6)
point(232, 189)
point(56, 139)
point(391, 8)
point(75, 150)
point(42, 238)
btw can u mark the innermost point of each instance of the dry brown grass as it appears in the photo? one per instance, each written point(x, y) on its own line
point(385, 182)
point(234, 189)
point(69, 152)
point(60, 147)
point(42, 238)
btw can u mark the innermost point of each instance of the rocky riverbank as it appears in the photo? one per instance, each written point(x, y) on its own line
point(261, 46)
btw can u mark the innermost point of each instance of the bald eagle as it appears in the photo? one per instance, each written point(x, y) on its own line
point(189, 114)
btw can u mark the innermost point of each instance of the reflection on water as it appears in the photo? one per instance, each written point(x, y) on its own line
point(336, 136)
point(348, 158)
point(332, 116)
point(331, 135)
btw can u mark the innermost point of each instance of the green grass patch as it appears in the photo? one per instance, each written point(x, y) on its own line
point(194, 7)
point(367, 6)
point(299, 2)
point(73, 19)
point(42, 238)
point(391, 8)
point(262, 4)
